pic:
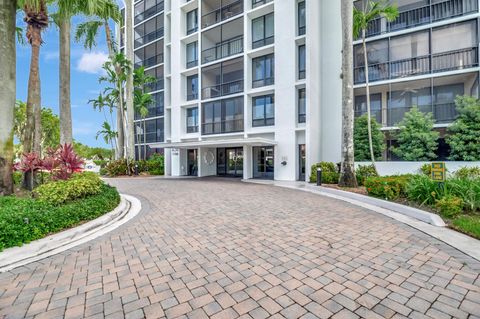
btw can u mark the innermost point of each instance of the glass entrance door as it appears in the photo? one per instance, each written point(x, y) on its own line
point(192, 163)
point(301, 161)
point(263, 162)
point(234, 162)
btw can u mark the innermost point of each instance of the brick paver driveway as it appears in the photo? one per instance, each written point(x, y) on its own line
point(223, 249)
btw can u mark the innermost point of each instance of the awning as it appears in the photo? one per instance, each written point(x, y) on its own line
point(254, 141)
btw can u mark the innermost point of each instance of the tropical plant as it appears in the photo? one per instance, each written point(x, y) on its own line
point(108, 134)
point(347, 172)
point(416, 138)
point(7, 94)
point(450, 206)
point(330, 174)
point(365, 171)
point(463, 133)
point(362, 19)
point(423, 190)
point(387, 187)
point(468, 172)
point(361, 143)
point(29, 163)
point(142, 101)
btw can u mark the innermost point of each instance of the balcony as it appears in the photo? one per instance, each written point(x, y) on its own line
point(223, 89)
point(154, 35)
point(258, 3)
point(222, 127)
point(142, 16)
point(154, 86)
point(433, 63)
point(223, 12)
point(154, 60)
point(442, 113)
point(423, 15)
point(223, 50)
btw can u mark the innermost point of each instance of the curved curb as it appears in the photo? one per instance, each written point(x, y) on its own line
point(467, 245)
point(15, 257)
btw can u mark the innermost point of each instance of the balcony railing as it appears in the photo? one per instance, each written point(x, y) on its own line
point(192, 129)
point(263, 42)
point(257, 3)
point(191, 64)
point(229, 126)
point(154, 86)
point(154, 60)
point(223, 50)
point(222, 89)
point(263, 82)
point(192, 96)
point(423, 15)
point(438, 62)
point(268, 121)
point(157, 34)
point(149, 12)
point(442, 113)
point(376, 114)
point(223, 13)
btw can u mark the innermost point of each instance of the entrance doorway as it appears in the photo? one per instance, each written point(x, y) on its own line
point(263, 162)
point(192, 162)
point(230, 162)
point(301, 161)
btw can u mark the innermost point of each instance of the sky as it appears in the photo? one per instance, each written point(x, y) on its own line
point(85, 71)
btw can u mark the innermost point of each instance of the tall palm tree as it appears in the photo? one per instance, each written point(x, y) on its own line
point(362, 19)
point(66, 10)
point(129, 83)
point(347, 176)
point(7, 92)
point(108, 134)
point(141, 100)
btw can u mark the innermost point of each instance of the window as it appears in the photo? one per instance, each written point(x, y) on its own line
point(153, 131)
point(192, 120)
point(225, 116)
point(192, 54)
point(410, 54)
point(149, 55)
point(145, 9)
point(192, 22)
point(263, 71)
point(302, 106)
point(301, 18)
point(301, 62)
point(263, 111)
point(257, 3)
point(158, 84)
point(192, 87)
point(377, 54)
point(149, 31)
point(222, 79)
point(263, 31)
point(375, 106)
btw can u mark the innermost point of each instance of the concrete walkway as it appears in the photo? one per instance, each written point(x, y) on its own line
point(219, 248)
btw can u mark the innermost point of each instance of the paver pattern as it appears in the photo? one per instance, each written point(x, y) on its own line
point(224, 249)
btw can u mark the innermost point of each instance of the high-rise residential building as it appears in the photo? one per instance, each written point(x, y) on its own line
point(425, 58)
point(245, 88)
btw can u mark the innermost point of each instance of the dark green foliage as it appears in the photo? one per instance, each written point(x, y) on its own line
point(360, 139)
point(330, 174)
point(387, 187)
point(423, 190)
point(426, 169)
point(467, 189)
point(417, 141)
point(154, 166)
point(463, 135)
point(23, 219)
point(365, 171)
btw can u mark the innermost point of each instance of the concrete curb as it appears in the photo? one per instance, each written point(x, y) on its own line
point(14, 257)
point(463, 243)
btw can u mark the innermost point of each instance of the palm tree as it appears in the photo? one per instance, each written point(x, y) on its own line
point(129, 83)
point(102, 103)
point(142, 100)
point(109, 135)
point(347, 177)
point(362, 20)
point(7, 93)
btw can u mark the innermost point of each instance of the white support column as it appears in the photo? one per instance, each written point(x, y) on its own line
point(247, 162)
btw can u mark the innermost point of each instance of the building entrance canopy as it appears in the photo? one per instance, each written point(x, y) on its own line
point(254, 141)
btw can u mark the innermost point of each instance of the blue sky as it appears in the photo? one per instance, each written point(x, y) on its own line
point(85, 70)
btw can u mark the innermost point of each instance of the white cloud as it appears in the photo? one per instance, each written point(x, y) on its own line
point(91, 62)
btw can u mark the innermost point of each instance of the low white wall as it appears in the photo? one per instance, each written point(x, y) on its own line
point(396, 168)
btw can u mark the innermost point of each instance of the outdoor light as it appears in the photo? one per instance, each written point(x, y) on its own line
point(284, 163)
point(319, 176)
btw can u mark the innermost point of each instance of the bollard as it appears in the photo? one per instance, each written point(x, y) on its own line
point(319, 176)
point(136, 169)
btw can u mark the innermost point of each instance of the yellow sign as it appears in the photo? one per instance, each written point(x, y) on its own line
point(438, 172)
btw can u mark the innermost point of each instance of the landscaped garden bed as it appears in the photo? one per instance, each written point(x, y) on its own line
point(457, 200)
point(153, 166)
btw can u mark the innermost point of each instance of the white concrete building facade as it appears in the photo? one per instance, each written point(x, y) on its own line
point(246, 88)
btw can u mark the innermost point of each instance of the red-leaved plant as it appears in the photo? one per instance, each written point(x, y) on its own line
point(30, 162)
point(62, 162)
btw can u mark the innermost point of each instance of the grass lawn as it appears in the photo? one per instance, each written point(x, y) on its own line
point(23, 220)
point(467, 224)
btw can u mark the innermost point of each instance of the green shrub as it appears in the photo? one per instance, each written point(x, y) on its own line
point(426, 169)
point(330, 174)
point(449, 206)
point(25, 219)
point(17, 178)
point(468, 172)
point(365, 171)
point(116, 168)
point(423, 190)
point(79, 186)
point(156, 164)
point(466, 189)
point(101, 163)
point(387, 187)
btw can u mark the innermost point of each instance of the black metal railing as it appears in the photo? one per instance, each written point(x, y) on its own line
point(228, 126)
point(302, 118)
point(222, 89)
point(258, 3)
point(154, 86)
point(442, 113)
point(432, 63)
point(223, 50)
point(267, 121)
point(263, 42)
point(192, 96)
point(423, 15)
point(149, 12)
point(192, 30)
point(157, 34)
point(263, 82)
point(223, 13)
point(191, 64)
point(154, 60)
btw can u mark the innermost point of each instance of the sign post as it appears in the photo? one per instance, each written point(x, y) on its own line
point(439, 174)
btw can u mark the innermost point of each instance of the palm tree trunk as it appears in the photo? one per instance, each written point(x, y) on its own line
point(367, 92)
point(129, 85)
point(347, 177)
point(7, 93)
point(66, 136)
point(145, 139)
